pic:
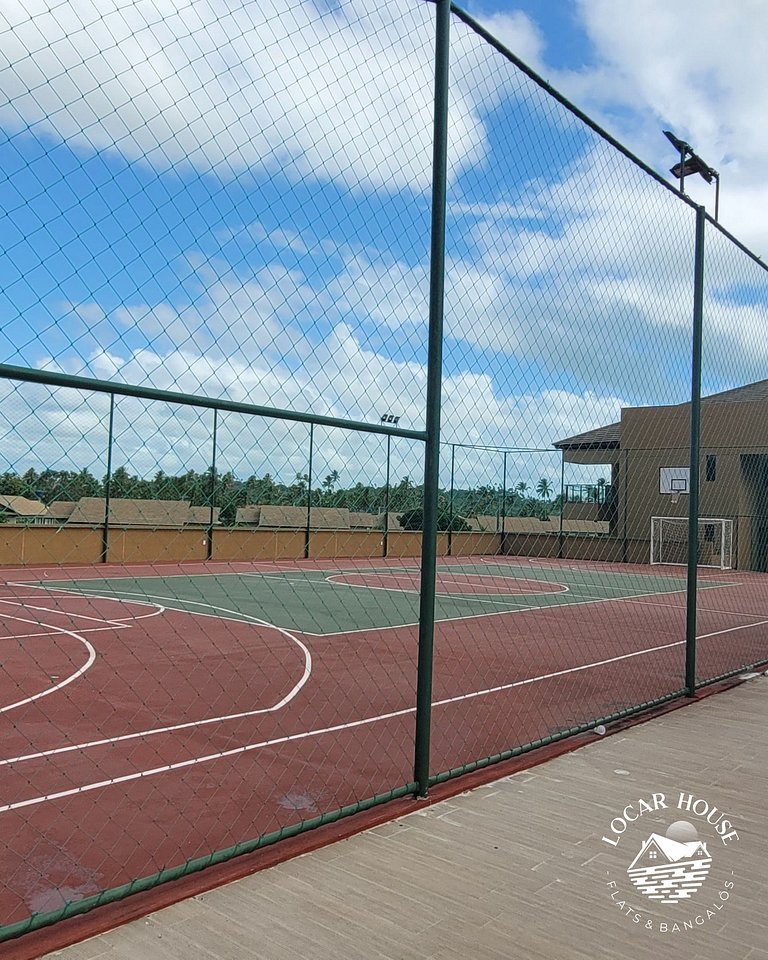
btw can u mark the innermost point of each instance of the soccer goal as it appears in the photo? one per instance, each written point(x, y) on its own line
point(669, 541)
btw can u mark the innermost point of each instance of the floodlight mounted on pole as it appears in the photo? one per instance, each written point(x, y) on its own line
point(690, 162)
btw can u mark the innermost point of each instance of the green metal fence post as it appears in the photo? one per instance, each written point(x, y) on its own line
point(560, 539)
point(212, 494)
point(434, 389)
point(693, 496)
point(108, 481)
point(308, 531)
point(386, 498)
point(450, 503)
point(504, 494)
point(624, 455)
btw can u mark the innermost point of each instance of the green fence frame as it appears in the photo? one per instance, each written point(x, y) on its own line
point(431, 438)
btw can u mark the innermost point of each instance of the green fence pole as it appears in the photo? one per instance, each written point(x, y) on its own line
point(308, 531)
point(504, 494)
point(434, 389)
point(560, 541)
point(450, 502)
point(386, 497)
point(108, 481)
point(212, 493)
point(693, 496)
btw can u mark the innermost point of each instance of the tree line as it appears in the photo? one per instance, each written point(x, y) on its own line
point(224, 490)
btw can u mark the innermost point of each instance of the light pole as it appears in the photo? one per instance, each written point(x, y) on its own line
point(394, 420)
point(691, 162)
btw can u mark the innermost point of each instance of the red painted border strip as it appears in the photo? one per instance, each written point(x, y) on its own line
point(101, 919)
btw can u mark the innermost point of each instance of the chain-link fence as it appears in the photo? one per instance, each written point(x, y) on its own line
point(370, 415)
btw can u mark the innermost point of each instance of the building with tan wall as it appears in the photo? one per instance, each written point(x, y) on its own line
point(648, 442)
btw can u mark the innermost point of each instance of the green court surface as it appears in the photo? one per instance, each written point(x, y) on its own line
point(332, 601)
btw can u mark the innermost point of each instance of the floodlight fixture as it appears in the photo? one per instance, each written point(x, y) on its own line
point(390, 418)
point(689, 163)
point(680, 145)
point(694, 164)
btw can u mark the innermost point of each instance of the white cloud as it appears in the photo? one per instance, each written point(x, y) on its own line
point(342, 94)
point(700, 67)
point(576, 294)
point(66, 429)
point(598, 305)
point(518, 33)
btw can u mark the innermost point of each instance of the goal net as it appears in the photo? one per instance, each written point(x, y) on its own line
point(669, 541)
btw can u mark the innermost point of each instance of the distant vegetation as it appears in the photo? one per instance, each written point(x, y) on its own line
point(229, 493)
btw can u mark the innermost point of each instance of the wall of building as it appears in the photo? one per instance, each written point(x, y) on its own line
point(327, 544)
point(43, 545)
point(39, 546)
point(475, 544)
point(252, 544)
point(658, 437)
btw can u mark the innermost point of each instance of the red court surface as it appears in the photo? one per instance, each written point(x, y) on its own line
point(137, 737)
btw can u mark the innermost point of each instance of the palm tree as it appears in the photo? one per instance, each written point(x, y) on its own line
point(521, 488)
point(543, 488)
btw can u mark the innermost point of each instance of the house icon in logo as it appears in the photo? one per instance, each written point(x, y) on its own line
point(673, 867)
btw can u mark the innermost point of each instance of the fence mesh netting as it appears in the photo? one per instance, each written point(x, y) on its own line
point(217, 307)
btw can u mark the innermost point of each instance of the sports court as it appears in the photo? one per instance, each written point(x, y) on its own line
point(153, 715)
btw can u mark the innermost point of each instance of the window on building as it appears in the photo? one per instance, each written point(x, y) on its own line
point(711, 471)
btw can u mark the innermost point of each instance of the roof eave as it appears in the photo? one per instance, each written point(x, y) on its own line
point(599, 445)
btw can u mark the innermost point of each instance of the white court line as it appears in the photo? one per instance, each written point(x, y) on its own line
point(502, 613)
point(156, 609)
point(164, 576)
point(89, 568)
point(306, 673)
point(62, 613)
point(673, 606)
point(324, 575)
point(124, 598)
point(743, 626)
point(243, 618)
point(465, 581)
point(247, 748)
point(441, 596)
point(597, 567)
point(28, 636)
point(78, 673)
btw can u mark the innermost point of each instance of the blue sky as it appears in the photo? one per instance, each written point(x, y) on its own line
point(237, 204)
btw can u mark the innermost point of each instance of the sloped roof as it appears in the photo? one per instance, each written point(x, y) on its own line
point(202, 515)
point(23, 506)
point(152, 513)
point(361, 520)
point(273, 516)
point(248, 514)
point(749, 392)
point(607, 437)
point(62, 509)
point(330, 518)
point(295, 518)
point(488, 523)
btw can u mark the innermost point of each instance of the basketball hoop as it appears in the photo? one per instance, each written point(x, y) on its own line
point(675, 496)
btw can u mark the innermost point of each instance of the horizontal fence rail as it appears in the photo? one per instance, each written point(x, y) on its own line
point(370, 416)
